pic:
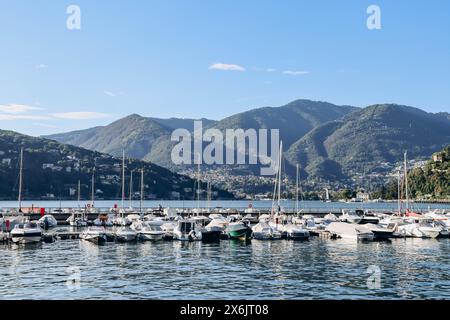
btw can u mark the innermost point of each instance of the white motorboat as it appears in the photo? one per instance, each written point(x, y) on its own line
point(430, 230)
point(350, 231)
point(282, 223)
point(416, 227)
point(47, 221)
point(26, 233)
point(382, 232)
point(440, 218)
point(187, 230)
point(217, 223)
point(216, 216)
point(77, 219)
point(263, 231)
point(349, 217)
point(330, 218)
point(151, 231)
point(295, 232)
point(250, 218)
point(94, 234)
point(201, 220)
point(125, 235)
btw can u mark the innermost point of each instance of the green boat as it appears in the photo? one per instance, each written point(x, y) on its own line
point(239, 230)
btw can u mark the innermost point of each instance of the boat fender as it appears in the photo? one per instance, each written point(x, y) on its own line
point(192, 235)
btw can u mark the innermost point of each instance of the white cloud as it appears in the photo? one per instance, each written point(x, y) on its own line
point(11, 117)
point(16, 108)
point(41, 66)
point(226, 67)
point(295, 72)
point(270, 70)
point(82, 115)
point(109, 93)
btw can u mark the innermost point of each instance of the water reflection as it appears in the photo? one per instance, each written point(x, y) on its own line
point(327, 269)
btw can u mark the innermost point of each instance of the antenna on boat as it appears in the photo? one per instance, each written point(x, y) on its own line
point(199, 185)
point(279, 175)
point(296, 189)
point(406, 182)
point(399, 200)
point(142, 189)
point(20, 180)
point(93, 188)
point(131, 189)
point(78, 194)
point(123, 178)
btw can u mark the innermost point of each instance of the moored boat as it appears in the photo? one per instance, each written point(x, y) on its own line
point(26, 233)
point(350, 231)
point(239, 230)
point(125, 235)
point(95, 235)
point(48, 221)
point(187, 230)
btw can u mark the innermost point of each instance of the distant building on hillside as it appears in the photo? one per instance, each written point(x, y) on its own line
point(362, 196)
point(438, 157)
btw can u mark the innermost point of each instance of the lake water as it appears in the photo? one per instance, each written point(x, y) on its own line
point(316, 269)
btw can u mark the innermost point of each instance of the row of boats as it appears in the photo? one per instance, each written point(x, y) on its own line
point(357, 225)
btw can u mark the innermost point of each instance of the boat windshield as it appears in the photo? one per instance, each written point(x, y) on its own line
point(185, 226)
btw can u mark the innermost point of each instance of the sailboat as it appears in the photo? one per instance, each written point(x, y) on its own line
point(103, 218)
point(411, 224)
point(78, 217)
point(121, 219)
point(280, 222)
point(26, 232)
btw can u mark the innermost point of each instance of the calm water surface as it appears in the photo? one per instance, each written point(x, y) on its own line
point(317, 269)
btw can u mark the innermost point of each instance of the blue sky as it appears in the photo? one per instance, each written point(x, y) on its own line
point(155, 58)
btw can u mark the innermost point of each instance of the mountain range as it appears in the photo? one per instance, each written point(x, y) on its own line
point(150, 138)
point(330, 142)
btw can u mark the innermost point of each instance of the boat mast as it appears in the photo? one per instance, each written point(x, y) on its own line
point(131, 188)
point(296, 189)
point(279, 175)
point(399, 200)
point(123, 178)
point(93, 189)
point(208, 195)
point(275, 190)
point(142, 189)
point(198, 185)
point(406, 183)
point(78, 193)
point(20, 180)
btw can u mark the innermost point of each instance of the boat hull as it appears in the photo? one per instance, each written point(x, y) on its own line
point(97, 239)
point(151, 236)
point(211, 235)
point(240, 234)
point(297, 235)
point(28, 239)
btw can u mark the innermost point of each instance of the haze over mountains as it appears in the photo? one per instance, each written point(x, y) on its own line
point(149, 138)
point(330, 142)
